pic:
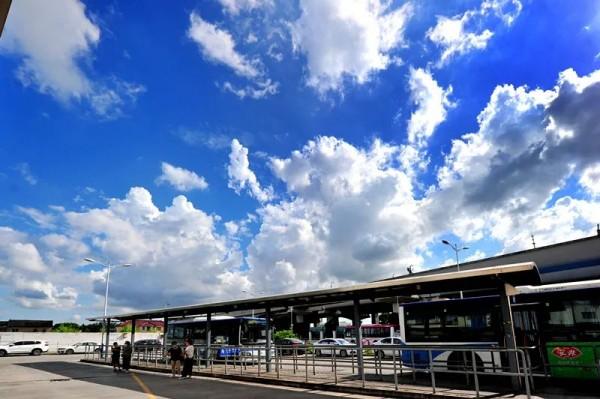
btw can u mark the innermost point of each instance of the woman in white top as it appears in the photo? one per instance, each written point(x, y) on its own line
point(188, 359)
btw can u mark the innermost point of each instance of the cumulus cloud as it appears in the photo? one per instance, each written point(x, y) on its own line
point(54, 40)
point(180, 178)
point(590, 179)
point(350, 40)
point(44, 220)
point(503, 177)
point(234, 7)
point(241, 177)
point(464, 33)
point(432, 103)
point(218, 45)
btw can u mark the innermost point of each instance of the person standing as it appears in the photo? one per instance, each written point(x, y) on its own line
point(175, 354)
point(116, 356)
point(188, 359)
point(127, 351)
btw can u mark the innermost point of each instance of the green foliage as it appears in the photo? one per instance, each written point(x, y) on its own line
point(66, 327)
point(281, 334)
point(126, 329)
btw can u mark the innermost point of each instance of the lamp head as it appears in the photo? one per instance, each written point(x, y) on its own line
point(445, 242)
point(90, 260)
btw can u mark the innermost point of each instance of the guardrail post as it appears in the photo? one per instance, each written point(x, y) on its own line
point(226, 353)
point(413, 369)
point(475, 376)
point(306, 363)
point(431, 370)
point(268, 326)
point(526, 376)
point(334, 367)
point(395, 372)
point(259, 348)
point(359, 354)
point(278, 360)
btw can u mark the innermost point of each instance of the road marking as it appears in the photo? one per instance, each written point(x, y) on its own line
point(144, 387)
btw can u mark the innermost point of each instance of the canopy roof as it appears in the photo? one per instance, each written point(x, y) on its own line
point(485, 278)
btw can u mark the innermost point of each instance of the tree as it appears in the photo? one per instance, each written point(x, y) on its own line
point(66, 327)
point(282, 334)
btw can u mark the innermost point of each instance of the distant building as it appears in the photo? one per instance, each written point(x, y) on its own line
point(26, 326)
point(142, 326)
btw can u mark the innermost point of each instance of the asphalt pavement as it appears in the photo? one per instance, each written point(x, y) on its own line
point(62, 376)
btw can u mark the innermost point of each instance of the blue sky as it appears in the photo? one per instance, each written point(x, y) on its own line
point(270, 146)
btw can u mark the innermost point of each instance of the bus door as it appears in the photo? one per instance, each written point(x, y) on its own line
point(526, 322)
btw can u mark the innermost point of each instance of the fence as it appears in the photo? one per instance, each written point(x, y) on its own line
point(387, 366)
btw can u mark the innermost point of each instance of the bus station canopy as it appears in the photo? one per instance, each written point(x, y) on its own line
point(492, 278)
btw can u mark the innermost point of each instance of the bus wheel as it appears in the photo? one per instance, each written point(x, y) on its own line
point(459, 362)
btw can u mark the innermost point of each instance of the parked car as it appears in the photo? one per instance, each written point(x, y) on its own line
point(290, 345)
point(80, 347)
point(35, 348)
point(325, 347)
point(383, 353)
point(147, 344)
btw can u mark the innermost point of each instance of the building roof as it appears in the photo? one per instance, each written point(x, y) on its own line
point(4, 7)
point(565, 261)
point(144, 323)
point(491, 278)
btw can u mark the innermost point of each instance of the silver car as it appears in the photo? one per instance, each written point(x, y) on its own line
point(328, 345)
point(382, 353)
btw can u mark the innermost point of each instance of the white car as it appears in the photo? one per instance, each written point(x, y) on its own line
point(35, 348)
point(326, 347)
point(80, 347)
point(382, 352)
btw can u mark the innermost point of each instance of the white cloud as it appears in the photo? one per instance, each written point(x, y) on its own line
point(261, 89)
point(234, 7)
point(501, 179)
point(55, 39)
point(218, 45)
point(432, 103)
point(44, 220)
point(25, 171)
point(590, 180)
point(350, 40)
point(464, 33)
point(180, 178)
point(241, 177)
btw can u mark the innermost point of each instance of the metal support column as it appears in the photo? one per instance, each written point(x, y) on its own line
point(268, 326)
point(356, 323)
point(165, 328)
point(107, 339)
point(208, 338)
point(509, 333)
point(133, 334)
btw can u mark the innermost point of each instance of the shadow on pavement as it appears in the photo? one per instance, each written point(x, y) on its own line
point(163, 385)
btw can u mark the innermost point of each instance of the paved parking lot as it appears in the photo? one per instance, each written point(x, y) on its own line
point(64, 377)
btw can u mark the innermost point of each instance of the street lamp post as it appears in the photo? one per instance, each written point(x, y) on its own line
point(107, 267)
point(456, 249)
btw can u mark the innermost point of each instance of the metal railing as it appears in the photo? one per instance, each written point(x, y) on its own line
point(396, 364)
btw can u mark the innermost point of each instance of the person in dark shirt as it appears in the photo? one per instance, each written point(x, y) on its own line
point(175, 354)
point(116, 356)
point(127, 351)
